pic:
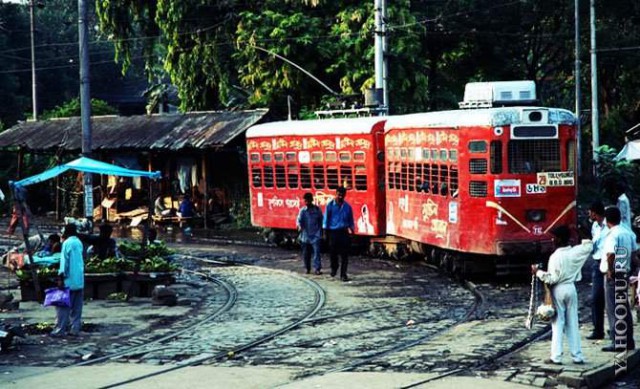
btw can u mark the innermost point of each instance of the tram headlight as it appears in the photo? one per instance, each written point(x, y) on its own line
point(536, 215)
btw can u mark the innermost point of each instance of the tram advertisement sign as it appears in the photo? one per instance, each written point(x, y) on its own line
point(556, 178)
point(507, 188)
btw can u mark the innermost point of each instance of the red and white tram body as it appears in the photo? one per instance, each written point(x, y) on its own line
point(488, 181)
point(290, 158)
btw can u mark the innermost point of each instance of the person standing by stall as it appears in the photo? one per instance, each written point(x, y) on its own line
point(70, 275)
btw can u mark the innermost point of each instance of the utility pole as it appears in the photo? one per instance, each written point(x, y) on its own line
point(577, 85)
point(85, 103)
point(34, 94)
point(380, 46)
point(595, 114)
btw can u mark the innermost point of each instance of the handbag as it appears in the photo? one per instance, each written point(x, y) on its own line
point(57, 297)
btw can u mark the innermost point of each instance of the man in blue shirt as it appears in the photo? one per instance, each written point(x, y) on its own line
point(338, 222)
point(309, 224)
point(71, 275)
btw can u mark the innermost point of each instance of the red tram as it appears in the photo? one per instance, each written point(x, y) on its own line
point(287, 159)
point(457, 186)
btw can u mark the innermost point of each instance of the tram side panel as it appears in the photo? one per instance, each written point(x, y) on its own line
point(282, 169)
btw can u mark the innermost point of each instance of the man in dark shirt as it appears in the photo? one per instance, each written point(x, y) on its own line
point(309, 224)
point(338, 222)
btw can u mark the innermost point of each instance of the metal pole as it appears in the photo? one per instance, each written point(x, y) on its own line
point(385, 64)
point(34, 94)
point(85, 103)
point(378, 60)
point(577, 84)
point(595, 114)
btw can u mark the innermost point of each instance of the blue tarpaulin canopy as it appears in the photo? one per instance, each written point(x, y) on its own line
point(87, 165)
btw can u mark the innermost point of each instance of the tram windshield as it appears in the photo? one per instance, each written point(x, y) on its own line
point(534, 156)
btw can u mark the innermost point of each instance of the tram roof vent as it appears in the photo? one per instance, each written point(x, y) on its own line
point(498, 93)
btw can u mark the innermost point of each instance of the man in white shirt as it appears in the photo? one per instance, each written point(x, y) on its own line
point(619, 246)
point(599, 230)
point(565, 265)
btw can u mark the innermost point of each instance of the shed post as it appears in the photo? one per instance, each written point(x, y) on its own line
point(205, 204)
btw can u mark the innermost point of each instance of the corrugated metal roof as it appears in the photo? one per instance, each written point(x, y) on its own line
point(170, 132)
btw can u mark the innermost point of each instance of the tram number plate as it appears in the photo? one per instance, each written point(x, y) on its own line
point(535, 188)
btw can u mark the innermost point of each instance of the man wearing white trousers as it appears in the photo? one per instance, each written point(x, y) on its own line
point(563, 271)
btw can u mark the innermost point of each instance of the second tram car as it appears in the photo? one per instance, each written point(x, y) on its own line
point(461, 187)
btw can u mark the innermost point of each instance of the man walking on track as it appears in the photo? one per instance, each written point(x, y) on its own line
point(310, 226)
point(338, 222)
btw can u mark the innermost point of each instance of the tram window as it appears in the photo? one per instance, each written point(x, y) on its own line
point(305, 176)
point(478, 188)
point(403, 174)
point(478, 146)
point(256, 177)
point(359, 156)
point(346, 176)
point(425, 154)
point(266, 157)
point(571, 155)
point(292, 176)
point(478, 166)
point(291, 157)
point(281, 181)
point(534, 156)
point(332, 177)
point(268, 176)
point(453, 180)
point(278, 157)
point(316, 156)
point(434, 179)
point(330, 156)
point(255, 157)
point(418, 177)
point(425, 178)
point(403, 154)
point(344, 156)
point(496, 157)
point(453, 155)
point(444, 155)
point(411, 176)
point(444, 180)
point(411, 155)
point(392, 175)
point(318, 177)
point(434, 155)
point(361, 177)
point(398, 169)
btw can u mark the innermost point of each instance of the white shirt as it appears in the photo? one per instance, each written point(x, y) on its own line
point(565, 264)
point(621, 242)
point(598, 233)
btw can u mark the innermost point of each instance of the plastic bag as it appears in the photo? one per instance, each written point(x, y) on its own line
point(57, 297)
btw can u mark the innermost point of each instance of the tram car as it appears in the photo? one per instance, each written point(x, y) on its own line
point(474, 190)
point(290, 158)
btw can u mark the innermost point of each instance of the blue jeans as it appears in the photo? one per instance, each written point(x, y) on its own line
point(74, 312)
point(309, 250)
point(597, 298)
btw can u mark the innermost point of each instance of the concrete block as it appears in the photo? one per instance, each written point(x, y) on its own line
point(571, 379)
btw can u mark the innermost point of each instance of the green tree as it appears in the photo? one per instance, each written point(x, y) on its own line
point(72, 108)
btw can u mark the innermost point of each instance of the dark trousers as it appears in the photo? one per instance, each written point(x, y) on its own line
point(623, 313)
point(597, 298)
point(339, 243)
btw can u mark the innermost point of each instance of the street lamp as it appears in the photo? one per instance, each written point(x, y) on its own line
point(34, 94)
